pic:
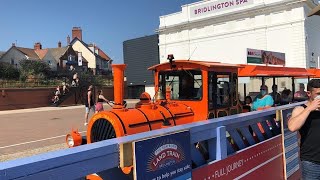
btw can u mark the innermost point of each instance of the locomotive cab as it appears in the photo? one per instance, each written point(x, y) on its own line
point(209, 88)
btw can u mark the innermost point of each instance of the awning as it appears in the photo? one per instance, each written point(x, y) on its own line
point(316, 72)
point(272, 71)
point(315, 11)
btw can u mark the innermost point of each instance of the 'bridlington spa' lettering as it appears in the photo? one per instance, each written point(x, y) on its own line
point(218, 6)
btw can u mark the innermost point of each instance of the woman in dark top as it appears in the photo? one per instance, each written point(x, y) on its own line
point(100, 100)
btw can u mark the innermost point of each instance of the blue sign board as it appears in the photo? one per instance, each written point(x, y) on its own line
point(164, 157)
point(291, 146)
point(286, 115)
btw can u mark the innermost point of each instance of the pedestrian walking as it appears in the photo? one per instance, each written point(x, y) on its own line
point(89, 104)
point(100, 100)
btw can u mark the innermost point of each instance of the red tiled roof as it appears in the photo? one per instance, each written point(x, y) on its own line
point(103, 54)
point(41, 53)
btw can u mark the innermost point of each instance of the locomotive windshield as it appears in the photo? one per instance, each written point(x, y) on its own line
point(184, 84)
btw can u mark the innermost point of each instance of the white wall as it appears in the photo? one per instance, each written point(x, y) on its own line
point(86, 53)
point(226, 38)
point(150, 89)
point(312, 28)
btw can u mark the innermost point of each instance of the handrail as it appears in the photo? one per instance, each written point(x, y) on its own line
point(83, 160)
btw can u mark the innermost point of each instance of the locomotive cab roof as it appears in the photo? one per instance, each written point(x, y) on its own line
point(192, 64)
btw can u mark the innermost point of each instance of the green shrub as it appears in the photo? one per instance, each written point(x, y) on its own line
point(29, 68)
point(7, 71)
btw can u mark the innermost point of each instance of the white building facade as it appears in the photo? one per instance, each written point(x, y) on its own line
point(222, 30)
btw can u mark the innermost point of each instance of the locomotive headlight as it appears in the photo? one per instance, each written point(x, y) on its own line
point(70, 141)
point(73, 139)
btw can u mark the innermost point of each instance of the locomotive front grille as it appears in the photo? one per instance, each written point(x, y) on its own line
point(102, 130)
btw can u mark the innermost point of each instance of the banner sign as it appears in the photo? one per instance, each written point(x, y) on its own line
point(263, 160)
point(217, 6)
point(79, 59)
point(290, 147)
point(256, 56)
point(164, 157)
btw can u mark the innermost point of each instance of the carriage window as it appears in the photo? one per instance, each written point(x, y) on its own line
point(184, 84)
point(219, 90)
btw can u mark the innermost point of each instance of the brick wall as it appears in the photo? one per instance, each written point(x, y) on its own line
point(22, 98)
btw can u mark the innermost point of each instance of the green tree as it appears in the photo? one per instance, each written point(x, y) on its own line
point(33, 68)
point(7, 71)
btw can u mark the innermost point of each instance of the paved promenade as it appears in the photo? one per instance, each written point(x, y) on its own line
point(32, 131)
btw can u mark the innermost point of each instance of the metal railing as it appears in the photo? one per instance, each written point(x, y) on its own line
point(221, 138)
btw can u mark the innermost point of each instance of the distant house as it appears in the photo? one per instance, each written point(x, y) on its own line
point(15, 54)
point(2, 53)
point(57, 58)
point(92, 57)
point(62, 57)
point(98, 61)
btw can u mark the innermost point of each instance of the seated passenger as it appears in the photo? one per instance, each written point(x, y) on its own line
point(275, 95)
point(286, 97)
point(247, 104)
point(248, 101)
point(263, 100)
point(301, 94)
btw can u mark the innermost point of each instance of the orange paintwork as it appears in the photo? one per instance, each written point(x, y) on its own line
point(200, 108)
point(93, 177)
point(77, 139)
point(118, 83)
point(272, 71)
point(151, 115)
point(192, 64)
point(144, 118)
point(147, 115)
point(316, 72)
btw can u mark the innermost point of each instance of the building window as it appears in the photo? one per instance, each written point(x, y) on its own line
point(12, 62)
point(71, 58)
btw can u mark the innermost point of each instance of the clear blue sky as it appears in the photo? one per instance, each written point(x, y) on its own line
point(105, 22)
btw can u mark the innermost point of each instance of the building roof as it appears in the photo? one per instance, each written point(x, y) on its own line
point(315, 11)
point(57, 52)
point(2, 53)
point(101, 53)
point(29, 52)
point(41, 53)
